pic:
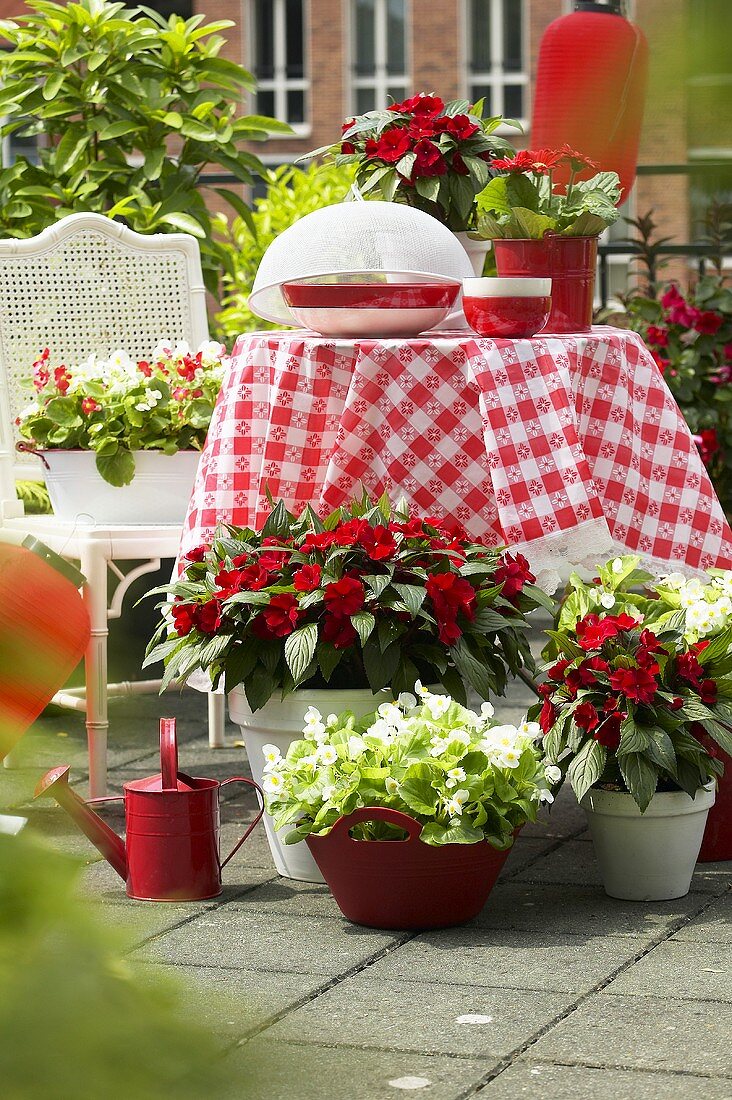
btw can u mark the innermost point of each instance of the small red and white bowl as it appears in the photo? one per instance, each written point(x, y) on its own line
point(370, 309)
point(510, 308)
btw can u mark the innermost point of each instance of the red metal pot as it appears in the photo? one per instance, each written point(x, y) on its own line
point(717, 842)
point(171, 849)
point(570, 262)
point(404, 884)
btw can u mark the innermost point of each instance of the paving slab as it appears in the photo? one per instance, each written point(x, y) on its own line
point(265, 1070)
point(585, 912)
point(482, 957)
point(684, 969)
point(262, 940)
point(531, 1078)
point(298, 899)
point(101, 881)
point(563, 818)
point(650, 1033)
point(232, 1003)
point(713, 925)
point(373, 1012)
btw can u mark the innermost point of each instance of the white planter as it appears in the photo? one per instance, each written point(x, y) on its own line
point(280, 723)
point(159, 492)
point(476, 250)
point(650, 856)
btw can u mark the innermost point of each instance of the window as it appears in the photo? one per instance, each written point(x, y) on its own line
point(496, 56)
point(379, 53)
point(278, 60)
point(166, 8)
point(709, 107)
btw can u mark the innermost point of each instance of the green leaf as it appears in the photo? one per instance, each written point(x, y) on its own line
point(378, 583)
point(416, 789)
point(179, 220)
point(640, 778)
point(118, 468)
point(62, 410)
point(457, 832)
point(470, 668)
point(533, 225)
point(259, 687)
point(117, 129)
point(52, 85)
point(428, 187)
point(363, 622)
point(380, 667)
point(278, 522)
point(300, 650)
point(494, 197)
point(587, 767)
point(411, 595)
point(328, 659)
point(239, 664)
point(632, 738)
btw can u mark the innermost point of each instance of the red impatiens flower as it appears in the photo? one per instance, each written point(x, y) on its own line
point(393, 144)
point(198, 553)
point(585, 674)
point(689, 668)
point(450, 595)
point(608, 734)
point(429, 162)
point(251, 579)
point(319, 541)
point(586, 717)
point(548, 716)
point(344, 597)
point(461, 128)
point(707, 322)
point(378, 542)
point(657, 335)
point(513, 573)
point(278, 619)
point(638, 684)
point(557, 671)
point(347, 147)
point(708, 444)
point(339, 631)
point(183, 617)
point(708, 692)
point(593, 632)
point(307, 578)
point(207, 617)
point(426, 106)
point(348, 534)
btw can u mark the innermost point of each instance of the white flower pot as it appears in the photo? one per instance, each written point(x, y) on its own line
point(650, 856)
point(280, 722)
point(159, 492)
point(476, 250)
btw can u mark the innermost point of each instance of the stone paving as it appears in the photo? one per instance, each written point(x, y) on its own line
point(555, 989)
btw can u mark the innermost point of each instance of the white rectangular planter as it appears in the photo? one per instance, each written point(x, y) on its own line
point(158, 494)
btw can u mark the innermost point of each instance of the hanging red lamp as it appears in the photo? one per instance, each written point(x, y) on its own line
point(590, 88)
point(44, 631)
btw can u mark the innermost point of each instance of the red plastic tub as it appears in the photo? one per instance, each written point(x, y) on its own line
point(404, 884)
point(717, 842)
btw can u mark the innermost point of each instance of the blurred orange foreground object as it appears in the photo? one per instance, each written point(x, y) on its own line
point(44, 631)
point(590, 89)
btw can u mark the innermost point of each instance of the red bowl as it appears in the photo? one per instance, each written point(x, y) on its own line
point(370, 309)
point(507, 316)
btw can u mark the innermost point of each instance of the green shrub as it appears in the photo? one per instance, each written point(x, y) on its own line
point(291, 193)
point(133, 108)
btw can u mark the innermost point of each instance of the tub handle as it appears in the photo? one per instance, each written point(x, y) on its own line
point(378, 813)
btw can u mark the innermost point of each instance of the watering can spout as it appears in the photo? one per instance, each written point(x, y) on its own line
point(56, 783)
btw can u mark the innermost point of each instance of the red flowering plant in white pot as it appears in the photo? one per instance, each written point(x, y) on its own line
point(367, 598)
point(431, 155)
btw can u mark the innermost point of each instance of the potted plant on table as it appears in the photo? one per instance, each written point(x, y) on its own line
point(428, 154)
point(100, 425)
point(458, 785)
point(541, 229)
point(633, 711)
point(330, 613)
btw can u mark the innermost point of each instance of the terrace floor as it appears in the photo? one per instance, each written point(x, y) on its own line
point(555, 989)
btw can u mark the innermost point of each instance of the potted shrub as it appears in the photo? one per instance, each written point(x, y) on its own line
point(431, 155)
point(120, 440)
point(329, 613)
point(627, 711)
point(457, 785)
point(542, 229)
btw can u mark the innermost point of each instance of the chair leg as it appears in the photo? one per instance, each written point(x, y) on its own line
point(94, 568)
point(216, 720)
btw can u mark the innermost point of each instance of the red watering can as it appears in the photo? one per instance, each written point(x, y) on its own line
point(172, 827)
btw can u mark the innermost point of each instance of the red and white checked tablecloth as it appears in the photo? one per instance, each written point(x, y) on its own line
point(570, 448)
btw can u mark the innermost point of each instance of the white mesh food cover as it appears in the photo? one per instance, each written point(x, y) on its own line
point(356, 238)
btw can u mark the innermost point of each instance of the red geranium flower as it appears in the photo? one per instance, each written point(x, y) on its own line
point(513, 573)
point(393, 144)
point(339, 631)
point(344, 597)
point(278, 619)
point(638, 684)
point(307, 578)
point(429, 162)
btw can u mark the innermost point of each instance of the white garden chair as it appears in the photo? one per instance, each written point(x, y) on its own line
point(88, 284)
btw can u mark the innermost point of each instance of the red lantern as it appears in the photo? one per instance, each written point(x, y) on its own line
point(590, 88)
point(44, 631)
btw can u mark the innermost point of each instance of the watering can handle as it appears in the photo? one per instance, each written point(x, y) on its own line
point(257, 819)
point(168, 754)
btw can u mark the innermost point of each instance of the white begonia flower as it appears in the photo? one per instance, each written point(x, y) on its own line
point(553, 773)
point(381, 730)
point(673, 580)
point(438, 705)
point(142, 407)
point(455, 776)
point(406, 700)
point(332, 720)
point(439, 744)
point(356, 746)
point(487, 710)
point(308, 761)
point(530, 729)
point(313, 727)
point(326, 754)
point(328, 791)
point(421, 690)
point(454, 805)
point(391, 713)
point(460, 735)
point(163, 349)
point(120, 360)
point(595, 594)
point(182, 348)
point(212, 349)
point(273, 783)
point(618, 565)
point(392, 787)
point(607, 600)
point(272, 756)
point(509, 758)
point(546, 796)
